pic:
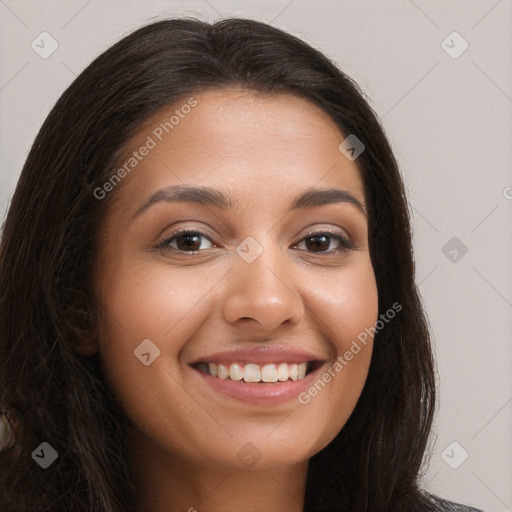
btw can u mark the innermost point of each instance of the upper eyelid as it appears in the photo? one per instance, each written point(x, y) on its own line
point(333, 231)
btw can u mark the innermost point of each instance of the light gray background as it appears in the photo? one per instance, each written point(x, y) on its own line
point(449, 123)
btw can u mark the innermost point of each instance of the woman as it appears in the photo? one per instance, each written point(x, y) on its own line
point(207, 286)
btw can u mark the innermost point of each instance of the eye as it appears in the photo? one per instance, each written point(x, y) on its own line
point(186, 241)
point(319, 242)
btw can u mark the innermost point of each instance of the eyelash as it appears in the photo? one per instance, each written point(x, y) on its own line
point(344, 242)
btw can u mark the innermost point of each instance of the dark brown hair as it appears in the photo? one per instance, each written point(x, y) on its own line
point(49, 241)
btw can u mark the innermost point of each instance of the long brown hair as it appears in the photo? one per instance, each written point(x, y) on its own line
point(49, 241)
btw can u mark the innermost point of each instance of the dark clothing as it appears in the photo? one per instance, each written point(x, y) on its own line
point(457, 507)
point(451, 506)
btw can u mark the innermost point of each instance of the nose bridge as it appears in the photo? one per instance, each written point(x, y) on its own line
point(262, 285)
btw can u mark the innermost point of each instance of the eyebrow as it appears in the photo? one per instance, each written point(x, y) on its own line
point(213, 197)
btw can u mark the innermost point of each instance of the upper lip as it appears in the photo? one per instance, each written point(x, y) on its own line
point(261, 355)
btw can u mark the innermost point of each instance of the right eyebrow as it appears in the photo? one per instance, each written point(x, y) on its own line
point(186, 193)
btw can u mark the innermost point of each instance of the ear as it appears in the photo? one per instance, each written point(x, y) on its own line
point(86, 342)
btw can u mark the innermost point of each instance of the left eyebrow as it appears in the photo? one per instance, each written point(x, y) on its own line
point(321, 196)
point(310, 198)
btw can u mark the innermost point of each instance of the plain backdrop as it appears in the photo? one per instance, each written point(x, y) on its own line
point(439, 75)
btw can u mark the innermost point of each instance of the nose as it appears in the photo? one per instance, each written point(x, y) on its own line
point(263, 292)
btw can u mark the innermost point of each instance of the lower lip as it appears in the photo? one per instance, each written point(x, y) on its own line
point(266, 393)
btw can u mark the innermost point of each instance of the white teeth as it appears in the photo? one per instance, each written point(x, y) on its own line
point(236, 372)
point(282, 372)
point(213, 369)
point(222, 371)
point(251, 372)
point(269, 373)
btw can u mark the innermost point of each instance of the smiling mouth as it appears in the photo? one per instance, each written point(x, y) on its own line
point(251, 372)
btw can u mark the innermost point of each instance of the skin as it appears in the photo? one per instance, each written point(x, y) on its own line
point(262, 150)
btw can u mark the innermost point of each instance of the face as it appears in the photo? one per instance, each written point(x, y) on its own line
point(232, 285)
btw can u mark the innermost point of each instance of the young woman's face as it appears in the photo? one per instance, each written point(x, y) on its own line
point(259, 278)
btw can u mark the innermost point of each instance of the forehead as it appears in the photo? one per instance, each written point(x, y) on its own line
point(256, 147)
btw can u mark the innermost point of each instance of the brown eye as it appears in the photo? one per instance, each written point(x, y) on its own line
point(184, 241)
point(321, 242)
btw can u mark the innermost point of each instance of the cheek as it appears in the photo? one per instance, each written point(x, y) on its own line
point(155, 302)
point(160, 303)
point(345, 302)
point(166, 306)
point(346, 309)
